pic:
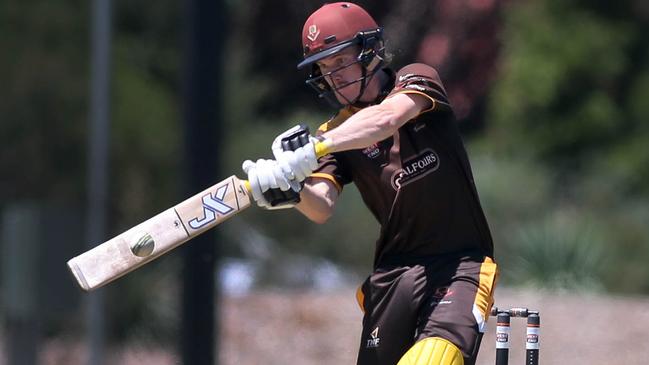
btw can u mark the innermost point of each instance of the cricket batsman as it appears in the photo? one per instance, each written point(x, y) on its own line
point(395, 136)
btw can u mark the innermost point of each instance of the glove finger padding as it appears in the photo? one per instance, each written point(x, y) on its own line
point(299, 159)
point(290, 158)
point(247, 165)
point(266, 179)
point(250, 168)
point(277, 143)
point(270, 187)
point(312, 158)
point(280, 178)
point(295, 150)
point(286, 168)
point(274, 175)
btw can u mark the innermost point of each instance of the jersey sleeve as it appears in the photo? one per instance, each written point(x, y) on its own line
point(418, 78)
point(330, 167)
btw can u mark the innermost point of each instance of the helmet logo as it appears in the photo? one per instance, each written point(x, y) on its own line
point(314, 32)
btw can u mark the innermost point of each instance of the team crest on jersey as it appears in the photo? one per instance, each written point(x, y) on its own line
point(415, 168)
point(372, 151)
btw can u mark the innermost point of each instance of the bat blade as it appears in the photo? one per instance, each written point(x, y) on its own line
point(159, 234)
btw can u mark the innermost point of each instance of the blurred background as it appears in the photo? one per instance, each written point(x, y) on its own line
point(112, 111)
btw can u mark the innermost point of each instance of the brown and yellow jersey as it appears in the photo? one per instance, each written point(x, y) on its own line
point(417, 183)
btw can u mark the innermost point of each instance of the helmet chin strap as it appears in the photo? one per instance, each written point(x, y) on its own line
point(333, 95)
point(362, 80)
point(363, 85)
point(365, 80)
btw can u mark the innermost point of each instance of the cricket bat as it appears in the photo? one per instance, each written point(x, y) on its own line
point(160, 234)
point(171, 228)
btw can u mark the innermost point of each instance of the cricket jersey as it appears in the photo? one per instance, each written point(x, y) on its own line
point(418, 182)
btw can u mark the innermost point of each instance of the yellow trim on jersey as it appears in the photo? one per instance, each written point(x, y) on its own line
point(433, 351)
point(338, 119)
point(331, 178)
point(409, 91)
point(324, 127)
point(360, 298)
point(488, 277)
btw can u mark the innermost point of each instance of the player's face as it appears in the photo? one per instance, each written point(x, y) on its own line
point(344, 72)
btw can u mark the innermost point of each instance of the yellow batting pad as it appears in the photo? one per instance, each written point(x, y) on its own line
point(433, 351)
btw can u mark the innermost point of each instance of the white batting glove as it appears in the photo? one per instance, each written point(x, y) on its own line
point(297, 164)
point(264, 175)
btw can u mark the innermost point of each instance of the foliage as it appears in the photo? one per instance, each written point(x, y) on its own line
point(42, 100)
point(560, 252)
point(570, 93)
point(571, 103)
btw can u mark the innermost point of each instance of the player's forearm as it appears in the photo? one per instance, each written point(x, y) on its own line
point(364, 128)
point(373, 124)
point(317, 201)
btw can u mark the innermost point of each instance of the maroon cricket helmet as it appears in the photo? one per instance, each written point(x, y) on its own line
point(333, 28)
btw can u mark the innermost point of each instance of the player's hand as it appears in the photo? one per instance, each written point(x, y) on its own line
point(295, 152)
point(270, 185)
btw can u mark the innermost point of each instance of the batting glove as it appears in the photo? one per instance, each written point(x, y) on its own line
point(270, 186)
point(297, 162)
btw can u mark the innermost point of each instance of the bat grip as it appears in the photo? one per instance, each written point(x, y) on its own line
point(322, 146)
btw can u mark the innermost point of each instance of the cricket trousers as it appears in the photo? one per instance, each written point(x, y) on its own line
point(447, 296)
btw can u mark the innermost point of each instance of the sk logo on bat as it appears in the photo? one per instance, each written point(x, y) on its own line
point(211, 206)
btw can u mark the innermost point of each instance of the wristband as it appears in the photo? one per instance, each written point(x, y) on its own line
point(323, 146)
